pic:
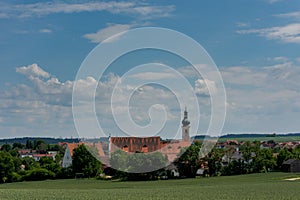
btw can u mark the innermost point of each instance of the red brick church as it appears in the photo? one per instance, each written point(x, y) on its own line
point(151, 144)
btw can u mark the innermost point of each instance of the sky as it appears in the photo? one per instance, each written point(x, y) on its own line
point(254, 43)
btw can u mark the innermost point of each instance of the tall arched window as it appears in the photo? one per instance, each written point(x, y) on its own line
point(125, 148)
point(145, 149)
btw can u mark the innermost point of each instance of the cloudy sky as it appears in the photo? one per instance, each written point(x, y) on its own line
point(254, 43)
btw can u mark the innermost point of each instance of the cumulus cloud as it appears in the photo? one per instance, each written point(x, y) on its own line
point(258, 99)
point(288, 34)
point(205, 87)
point(33, 71)
point(46, 102)
point(263, 98)
point(103, 34)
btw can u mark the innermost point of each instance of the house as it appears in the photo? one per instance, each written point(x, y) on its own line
point(67, 159)
point(37, 157)
point(291, 165)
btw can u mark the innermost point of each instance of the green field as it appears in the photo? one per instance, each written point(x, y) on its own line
point(254, 186)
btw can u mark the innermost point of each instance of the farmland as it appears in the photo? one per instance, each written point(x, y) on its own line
point(253, 186)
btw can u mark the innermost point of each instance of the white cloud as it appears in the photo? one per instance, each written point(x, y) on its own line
point(107, 32)
point(205, 87)
point(32, 71)
point(46, 103)
point(116, 7)
point(258, 99)
point(295, 15)
point(281, 58)
point(288, 34)
point(262, 92)
point(242, 24)
point(45, 31)
point(273, 1)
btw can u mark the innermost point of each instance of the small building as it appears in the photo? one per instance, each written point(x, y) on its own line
point(291, 165)
point(67, 159)
point(37, 157)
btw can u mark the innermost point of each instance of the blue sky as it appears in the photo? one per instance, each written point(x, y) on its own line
point(254, 43)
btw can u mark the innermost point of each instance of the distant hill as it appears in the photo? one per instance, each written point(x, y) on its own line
point(48, 140)
point(245, 135)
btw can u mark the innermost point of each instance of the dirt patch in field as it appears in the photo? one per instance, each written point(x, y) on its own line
point(292, 179)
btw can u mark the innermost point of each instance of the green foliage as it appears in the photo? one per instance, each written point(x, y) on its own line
point(49, 164)
point(16, 177)
point(38, 174)
point(29, 163)
point(284, 154)
point(17, 163)
point(17, 145)
point(40, 145)
point(137, 166)
point(84, 162)
point(6, 167)
point(189, 162)
point(6, 147)
point(28, 144)
point(13, 152)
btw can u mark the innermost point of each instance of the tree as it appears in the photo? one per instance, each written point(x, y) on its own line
point(247, 151)
point(138, 166)
point(29, 144)
point(6, 167)
point(84, 162)
point(17, 145)
point(38, 174)
point(49, 164)
point(40, 145)
point(263, 161)
point(6, 147)
point(29, 163)
point(188, 163)
point(214, 160)
point(284, 154)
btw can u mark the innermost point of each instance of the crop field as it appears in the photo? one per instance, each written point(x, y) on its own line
point(254, 186)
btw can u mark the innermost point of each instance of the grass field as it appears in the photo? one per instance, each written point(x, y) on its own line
point(254, 186)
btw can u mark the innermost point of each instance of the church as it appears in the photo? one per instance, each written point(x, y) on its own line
point(151, 144)
point(170, 148)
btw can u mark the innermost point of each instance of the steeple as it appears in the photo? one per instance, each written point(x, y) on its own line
point(185, 121)
point(185, 127)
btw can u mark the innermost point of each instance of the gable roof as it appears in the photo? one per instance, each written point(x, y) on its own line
point(72, 146)
point(290, 161)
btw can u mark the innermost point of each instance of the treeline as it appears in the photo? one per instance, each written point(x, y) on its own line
point(249, 158)
point(47, 140)
point(234, 159)
point(14, 168)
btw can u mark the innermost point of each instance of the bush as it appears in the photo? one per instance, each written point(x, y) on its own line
point(39, 174)
point(16, 177)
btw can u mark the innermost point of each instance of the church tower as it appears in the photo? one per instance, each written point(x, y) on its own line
point(185, 127)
